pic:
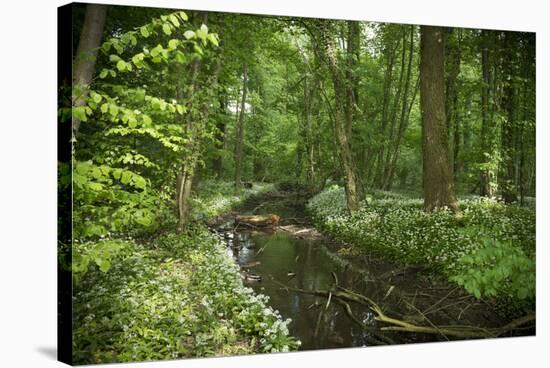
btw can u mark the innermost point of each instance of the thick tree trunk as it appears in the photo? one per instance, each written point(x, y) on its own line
point(240, 133)
point(86, 54)
point(438, 181)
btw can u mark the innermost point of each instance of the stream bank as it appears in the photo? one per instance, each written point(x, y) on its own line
point(296, 255)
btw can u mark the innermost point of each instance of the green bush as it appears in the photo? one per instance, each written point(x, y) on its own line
point(497, 268)
point(183, 299)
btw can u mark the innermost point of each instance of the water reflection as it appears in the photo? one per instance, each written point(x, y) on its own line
point(300, 263)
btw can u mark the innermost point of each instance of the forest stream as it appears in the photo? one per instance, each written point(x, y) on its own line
point(272, 258)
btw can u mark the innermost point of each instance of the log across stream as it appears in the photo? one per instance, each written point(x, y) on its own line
point(285, 260)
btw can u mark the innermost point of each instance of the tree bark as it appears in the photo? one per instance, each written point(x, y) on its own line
point(340, 127)
point(86, 55)
point(452, 54)
point(486, 130)
point(220, 135)
point(438, 184)
point(388, 75)
point(403, 119)
point(509, 189)
point(240, 133)
point(393, 113)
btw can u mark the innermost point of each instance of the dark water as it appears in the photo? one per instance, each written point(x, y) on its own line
point(301, 264)
point(280, 258)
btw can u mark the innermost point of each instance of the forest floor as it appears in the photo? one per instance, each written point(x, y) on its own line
point(175, 296)
point(412, 290)
point(182, 295)
point(487, 248)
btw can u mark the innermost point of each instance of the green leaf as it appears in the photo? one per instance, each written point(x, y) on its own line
point(83, 168)
point(103, 73)
point(139, 182)
point(126, 177)
point(146, 119)
point(180, 109)
point(117, 173)
point(173, 44)
point(167, 29)
point(80, 113)
point(95, 186)
point(96, 97)
point(113, 110)
point(201, 34)
point(197, 49)
point(183, 16)
point(121, 65)
point(174, 20)
point(180, 57)
point(189, 34)
point(204, 28)
point(105, 107)
point(156, 50)
point(213, 39)
point(114, 58)
point(144, 31)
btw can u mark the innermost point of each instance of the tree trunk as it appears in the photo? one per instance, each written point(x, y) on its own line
point(86, 54)
point(340, 126)
point(452, 54)
point(393, 115)
point(438, 184)
point(219, 143)
point(390, 59)
point(403, 120)
point(240, 133)
point(185, 178)
point(509, 189)
point(486, 130)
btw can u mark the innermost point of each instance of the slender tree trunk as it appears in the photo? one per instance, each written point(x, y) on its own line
point(395, 108)
point(438, 181)
point(240, 133)
point(351, 90)
point(508, 133)
point(390, 59)
point(452, 53)
point(486, 175)
point(219, 144)
point(185, 178)
point(340, 127)
point(403, 117)
point(86, 54)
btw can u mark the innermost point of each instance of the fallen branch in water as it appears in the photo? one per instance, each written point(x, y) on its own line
point(343, 295)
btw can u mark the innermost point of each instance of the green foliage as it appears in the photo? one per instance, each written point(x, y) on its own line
point(497, 269)
point(218, 197)
point(184, 299)
point(457, 245)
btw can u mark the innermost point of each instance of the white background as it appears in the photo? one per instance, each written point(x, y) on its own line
point(28, 68)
